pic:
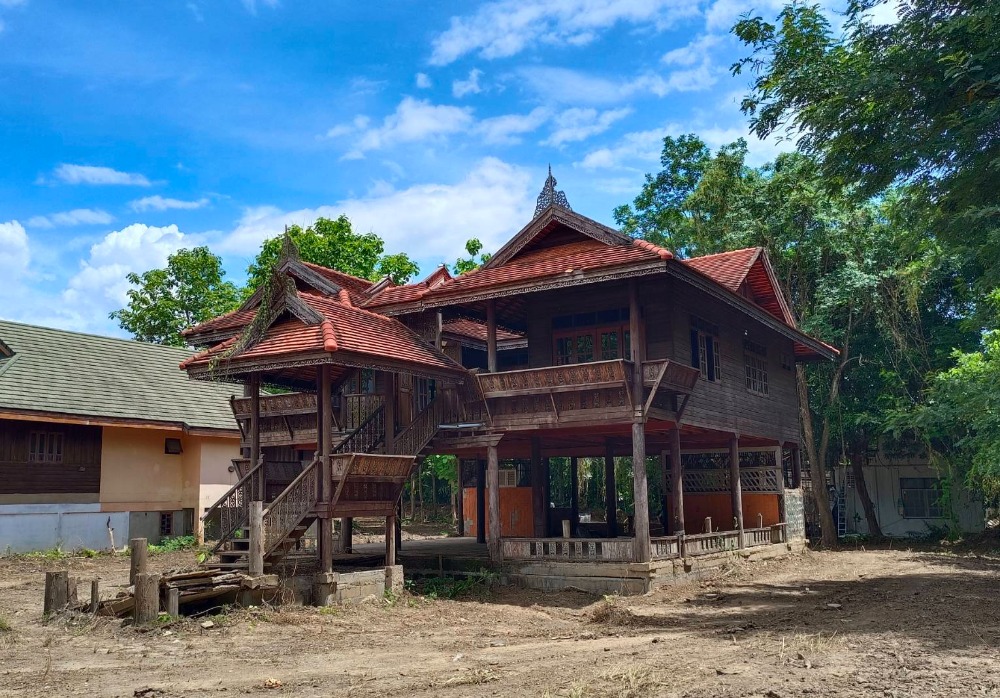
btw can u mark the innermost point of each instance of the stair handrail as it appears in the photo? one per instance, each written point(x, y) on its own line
point(418, 433)
point(368, 428)
point(290, 507)
point(233, 508)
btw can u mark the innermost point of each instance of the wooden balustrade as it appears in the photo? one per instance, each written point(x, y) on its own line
point(665, 547)
point(707, 543)
point(756, 536)
point(276, 405)
point(568, 549)
point(232, 511)
point(421, 430)
point(288, 509)
point(554, 379)
point(675, 376)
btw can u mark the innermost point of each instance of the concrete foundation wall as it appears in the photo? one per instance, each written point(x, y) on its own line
point(31, 527)
point(352, 587)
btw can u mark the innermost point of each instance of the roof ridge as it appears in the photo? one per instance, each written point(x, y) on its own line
point(338, 271)
point(719, 254)
point(101, 337)
point(329, 336)
point(662, 252)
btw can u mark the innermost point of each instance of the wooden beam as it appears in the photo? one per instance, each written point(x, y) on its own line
point(460, 500)
point(735, 485)
point(324, 423)
point(493, 493)
point(255, 432)
point(389, 401)
point(639, 485)
point(390, 541)
point(480, 501)
point(677, 478)
point(539, 505)
point(610, 490)
point(574, 499)
point(256, 554)
point(491, 335)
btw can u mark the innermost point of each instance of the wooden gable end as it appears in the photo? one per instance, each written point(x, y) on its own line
point(763, 288)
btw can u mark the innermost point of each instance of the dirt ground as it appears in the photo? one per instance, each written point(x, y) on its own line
point(849, 623)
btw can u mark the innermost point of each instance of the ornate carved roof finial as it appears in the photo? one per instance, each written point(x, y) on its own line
point(289, 250)
point(550, 196)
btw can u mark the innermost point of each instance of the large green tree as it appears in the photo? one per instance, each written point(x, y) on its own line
point(858, 274)
point(333, 243)
point(189, 290)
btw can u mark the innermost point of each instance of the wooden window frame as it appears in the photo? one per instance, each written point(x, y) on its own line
point(594, 333)
point(755, 368)
point(930, 497)
point(45, 446)
point(706, 350)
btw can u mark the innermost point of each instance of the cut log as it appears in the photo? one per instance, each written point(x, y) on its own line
point(56, 592)
point(139, 553)
point(147, 598)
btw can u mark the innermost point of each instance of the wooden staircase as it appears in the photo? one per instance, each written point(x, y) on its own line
point(295, 509)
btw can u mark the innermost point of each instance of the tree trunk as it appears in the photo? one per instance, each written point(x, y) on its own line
point(858, 467)
point(420, 491)
point(817, 468)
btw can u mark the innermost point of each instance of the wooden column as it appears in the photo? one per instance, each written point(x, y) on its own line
point(539, 505)
point(547, 489)
point(256, 553)
point(491, 335)
point(138, 551)
point(147, 598)
point(460, 501)
point(735, 485)
point(439, 326)
point(493, 493)
point(610, 490)
point(677, 479)
point(796, 468)
point(574, 497)
point(389, 400)
point(390, 541)
point(639, 486)
point(665, 514)
point(324, 415)
point(480, 501)
point(255, 431)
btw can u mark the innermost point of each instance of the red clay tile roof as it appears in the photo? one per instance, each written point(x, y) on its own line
point(536, 265)
point(354, 285)
point(391, 295)
point(232, 320)
point(344, 329)
point(726, 268)
point(476, 330)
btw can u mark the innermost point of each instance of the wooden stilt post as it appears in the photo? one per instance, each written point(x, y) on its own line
point(138, 550)
point(547, 489)
point(665, 516)
point(639, 486)
point(390, 541)
point(735, 485)
point(256, 553)
point(539, 504)
point(610, 490)
point(95, 595)
point(677, 480)
point(324, 407)
point(493, 493)
point(255, 434)
point(480, 501)
point(147, 598)
point(56, 592)
point(491, 335)
point(574, 499)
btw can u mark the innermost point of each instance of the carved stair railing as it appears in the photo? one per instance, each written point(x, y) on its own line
point(418, 433)
point(232, 512)
point(367, 437)
point(290, 507)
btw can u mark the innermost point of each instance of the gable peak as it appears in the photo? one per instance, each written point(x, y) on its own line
point(550, 196)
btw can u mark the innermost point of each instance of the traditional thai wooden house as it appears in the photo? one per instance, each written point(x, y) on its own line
point(573, 341)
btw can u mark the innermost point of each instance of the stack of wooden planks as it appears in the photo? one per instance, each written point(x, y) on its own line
point(191, 585)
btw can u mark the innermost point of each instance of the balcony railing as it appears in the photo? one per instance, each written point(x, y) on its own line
point(555, 379)
point(568, 549)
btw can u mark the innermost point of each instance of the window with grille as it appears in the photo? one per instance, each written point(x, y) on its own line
point(45, 447)
point(755, 365)
point(920, 497)
point(706, 354)
point(166, 523)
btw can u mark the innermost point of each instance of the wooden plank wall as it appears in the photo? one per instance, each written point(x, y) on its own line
point(78, 473)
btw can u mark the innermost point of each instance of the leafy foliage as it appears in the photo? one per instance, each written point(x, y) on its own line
point(476, 258)
point(333, 243)
point(163, 302)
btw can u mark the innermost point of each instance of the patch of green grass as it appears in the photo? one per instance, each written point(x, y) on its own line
point(50, 554)
point(5, 626)
point(175, 544)
point(479, 584)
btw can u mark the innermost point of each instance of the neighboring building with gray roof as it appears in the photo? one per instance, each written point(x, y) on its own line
point(103, 437)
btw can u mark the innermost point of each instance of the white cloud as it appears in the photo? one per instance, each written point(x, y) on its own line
point(506, 27)
point(694, 52)
point(572, 87)
point(633, 150)
point(429, 221)
point(159, 203)
point(359, 123)
point(460, 88)
point(78, 216)
point(251, 5)
point(99, 286)
point(721, 15)
point(423, 81)
point(89, 174)
point(508, 128)
point(414, 120)
point(14, 251)
point(579, 124)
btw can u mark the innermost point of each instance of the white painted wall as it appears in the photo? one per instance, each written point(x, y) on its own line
point(31, 527)
point(883, 488)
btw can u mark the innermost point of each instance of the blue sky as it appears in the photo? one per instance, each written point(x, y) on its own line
point(131, 129)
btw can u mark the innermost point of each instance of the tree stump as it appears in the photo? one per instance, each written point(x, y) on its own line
point(95, 595)
point(147, 597)
point(56, 591)
point(139, 552)
point(174, 602)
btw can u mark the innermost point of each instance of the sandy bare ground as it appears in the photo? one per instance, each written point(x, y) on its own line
point(885, 623)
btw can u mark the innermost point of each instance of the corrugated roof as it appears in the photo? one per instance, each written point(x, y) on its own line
point(90, 376)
